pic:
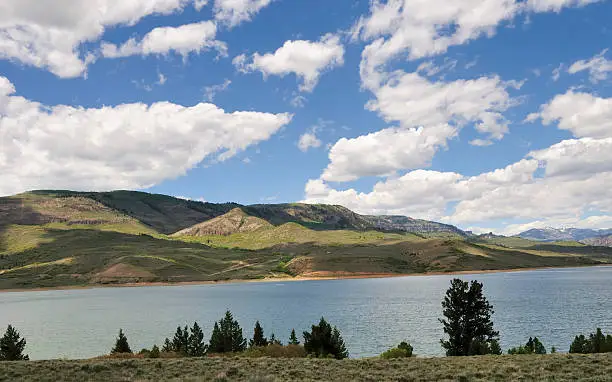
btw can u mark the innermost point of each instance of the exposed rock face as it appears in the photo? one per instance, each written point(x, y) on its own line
point(601, 241)
point(235, 221)
point(564, 234)
point(407, 224)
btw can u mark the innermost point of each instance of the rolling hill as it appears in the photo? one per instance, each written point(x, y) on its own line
point(564, 234)
point(65, 238)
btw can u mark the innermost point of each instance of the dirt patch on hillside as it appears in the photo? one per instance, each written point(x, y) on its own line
point(124, 273)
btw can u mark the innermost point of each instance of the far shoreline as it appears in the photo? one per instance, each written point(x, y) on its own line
point(290, 279)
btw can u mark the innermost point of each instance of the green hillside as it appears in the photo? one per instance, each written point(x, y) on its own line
point(63, 238)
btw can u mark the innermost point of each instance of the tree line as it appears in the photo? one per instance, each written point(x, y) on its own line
point(466, 322)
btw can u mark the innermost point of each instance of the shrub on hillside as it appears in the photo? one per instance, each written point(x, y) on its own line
point(533, 346)
point(325, 341)
point(403, 350)
point(276, 351)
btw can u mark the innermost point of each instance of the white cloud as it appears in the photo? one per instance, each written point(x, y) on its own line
point(234, 12)
point(598, 67)
point(308, 60)
point(211, 91)
point(183, 40)
point(308, 140)
point(413, 101)
point(583, 114)
point(121, 147)
point(385, 151)
point(574, 183)
point(161, 79)
point(49, 37)
point(199, 4)
point(556, 5)
point(556, 73)
point(481, 142)
point(426, 28)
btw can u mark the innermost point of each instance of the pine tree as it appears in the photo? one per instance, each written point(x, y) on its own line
point(293, 338)
point(598, 341)
point(227, 336)
point(196, 346)
point(12, 346)
point(121, 345)
point(274, 341)
point(580, 345)
point(258, 336)
point(467, 320)
point(167, 348)
point(180, 342)
point(323, 340)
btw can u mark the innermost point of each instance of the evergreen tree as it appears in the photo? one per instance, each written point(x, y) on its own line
point(154, 352)
point(12, 346)
point(274, 341)
point(227, 336)
point(121, 345)
point(258, 336)
point(533, 346)
point(323, 341)
point(580, 345)
point(468, 320)
point(196, 346)
point(293, 338)
point(167, 348)
point(180, 342)
point(598, 341)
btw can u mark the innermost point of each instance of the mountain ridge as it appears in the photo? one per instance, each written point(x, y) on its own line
point(583, 235)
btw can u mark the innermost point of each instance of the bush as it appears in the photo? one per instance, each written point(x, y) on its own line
point(403, 350)
point(323, 341)
point(276, 351)
point(533, 346)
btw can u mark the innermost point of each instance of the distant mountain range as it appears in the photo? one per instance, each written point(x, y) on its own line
point(586, 236)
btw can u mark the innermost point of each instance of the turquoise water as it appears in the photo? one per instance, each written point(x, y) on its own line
point(372, 314)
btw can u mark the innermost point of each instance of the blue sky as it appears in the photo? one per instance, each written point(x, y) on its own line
point(491, 115)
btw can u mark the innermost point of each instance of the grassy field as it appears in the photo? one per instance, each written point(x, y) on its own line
point(557, 367)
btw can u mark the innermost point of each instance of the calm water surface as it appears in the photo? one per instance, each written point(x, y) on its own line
point(372, 314)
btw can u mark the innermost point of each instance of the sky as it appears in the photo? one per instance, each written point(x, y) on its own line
point(492, 115)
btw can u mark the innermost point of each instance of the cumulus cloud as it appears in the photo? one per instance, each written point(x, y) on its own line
point(561, 183)
point(309, 140)
point(125, 146)
point(50, 39)
point(583, 114)
point(413, 100)
point(384, 152)
point(308, 60)
point(182, 40)
point(234, 12)
point(598, 67)
point(426, 28)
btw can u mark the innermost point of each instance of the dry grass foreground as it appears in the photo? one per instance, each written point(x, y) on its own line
point(557, 367)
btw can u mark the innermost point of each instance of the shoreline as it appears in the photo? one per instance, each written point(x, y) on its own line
point(289, 279)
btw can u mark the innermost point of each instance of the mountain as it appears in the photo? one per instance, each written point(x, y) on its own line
point(407, 224)
point(563, 234)
point(67, 238)
point(235, 221)
point(601, 241)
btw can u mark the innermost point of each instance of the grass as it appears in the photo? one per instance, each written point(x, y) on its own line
point(557, 367)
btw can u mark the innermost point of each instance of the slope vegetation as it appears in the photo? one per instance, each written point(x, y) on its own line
point(64, 238)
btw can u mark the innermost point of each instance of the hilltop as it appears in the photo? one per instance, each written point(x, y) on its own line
point(588, 236)
point(66, 238)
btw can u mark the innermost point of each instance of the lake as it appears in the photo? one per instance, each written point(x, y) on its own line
point(372, 314)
